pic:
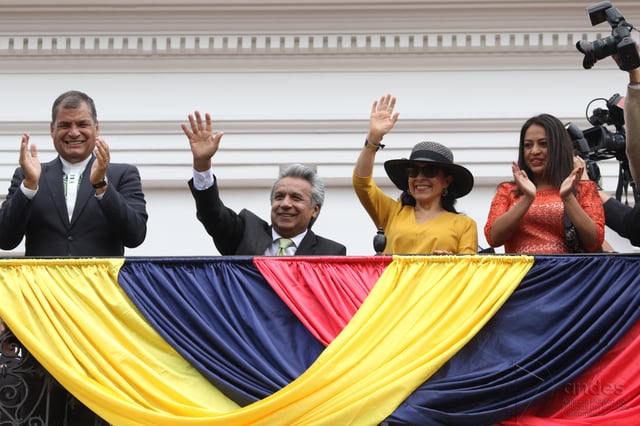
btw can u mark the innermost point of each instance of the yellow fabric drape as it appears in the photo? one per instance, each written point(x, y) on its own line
point(75, 319)
point(421, 312)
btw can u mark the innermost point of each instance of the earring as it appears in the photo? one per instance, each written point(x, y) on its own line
point(445, 192)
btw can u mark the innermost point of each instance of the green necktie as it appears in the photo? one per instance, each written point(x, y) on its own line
point(284, 243)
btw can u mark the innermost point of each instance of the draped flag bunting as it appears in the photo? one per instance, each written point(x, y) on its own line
point(419, 340)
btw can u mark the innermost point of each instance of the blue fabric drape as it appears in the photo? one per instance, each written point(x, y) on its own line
point(568, 311)
point(224, 318)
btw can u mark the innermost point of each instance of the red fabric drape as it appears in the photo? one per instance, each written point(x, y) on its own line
point(606, 394)
point(331, 291)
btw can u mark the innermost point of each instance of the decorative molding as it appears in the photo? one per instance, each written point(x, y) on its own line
point(293, 35)
point(282, 51)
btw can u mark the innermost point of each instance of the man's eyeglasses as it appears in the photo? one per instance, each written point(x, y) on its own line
point(427, 171)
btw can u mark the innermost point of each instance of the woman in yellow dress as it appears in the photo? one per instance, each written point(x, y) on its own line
point(423, 220)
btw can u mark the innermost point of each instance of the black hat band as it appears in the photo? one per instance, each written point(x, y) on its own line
point(430, 156)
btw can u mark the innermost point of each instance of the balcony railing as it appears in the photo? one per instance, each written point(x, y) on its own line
point(28, 393)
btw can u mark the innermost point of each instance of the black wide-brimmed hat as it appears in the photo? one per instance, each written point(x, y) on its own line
point(432, 153)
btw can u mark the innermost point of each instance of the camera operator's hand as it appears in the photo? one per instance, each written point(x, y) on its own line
point(604, 197)
point(634, 74)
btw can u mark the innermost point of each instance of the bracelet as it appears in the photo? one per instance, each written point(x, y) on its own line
point(373, 147)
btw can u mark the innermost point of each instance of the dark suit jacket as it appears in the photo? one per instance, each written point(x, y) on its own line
point(97, 228)
point(623, 219)
point(246, 233)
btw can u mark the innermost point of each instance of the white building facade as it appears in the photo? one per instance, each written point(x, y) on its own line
point(293, 81)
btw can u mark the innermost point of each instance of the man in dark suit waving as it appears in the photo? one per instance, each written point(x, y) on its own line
point(296, 199)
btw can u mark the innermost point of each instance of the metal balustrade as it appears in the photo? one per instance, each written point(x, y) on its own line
point(29, 395)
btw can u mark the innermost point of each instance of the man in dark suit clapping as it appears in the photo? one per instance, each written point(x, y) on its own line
point(78, 204)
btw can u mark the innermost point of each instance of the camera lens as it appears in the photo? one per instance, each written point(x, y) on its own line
point(595, 50)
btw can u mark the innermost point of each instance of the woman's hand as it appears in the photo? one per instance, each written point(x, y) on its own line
point(579, 162)
point(382, 118)
point(522, 181)
point(570, 184)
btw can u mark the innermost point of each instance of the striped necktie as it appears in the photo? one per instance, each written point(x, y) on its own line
point(284, 243)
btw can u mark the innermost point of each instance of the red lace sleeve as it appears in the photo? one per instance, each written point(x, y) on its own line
point(589, 199)
point(500, 204)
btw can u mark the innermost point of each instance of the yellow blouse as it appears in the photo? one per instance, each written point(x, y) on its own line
point(456, 233)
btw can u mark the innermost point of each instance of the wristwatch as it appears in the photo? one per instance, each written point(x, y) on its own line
point(373, 147)
point(104, 182)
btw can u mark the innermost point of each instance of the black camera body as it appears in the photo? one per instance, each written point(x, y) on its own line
point(619, 42)
point(603, 143)
point(581, 148)
point(598, 142)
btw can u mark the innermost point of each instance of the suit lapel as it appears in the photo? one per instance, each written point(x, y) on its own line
point(308, 244)
point(85, 191)
point(52, 183)
point(263, 241)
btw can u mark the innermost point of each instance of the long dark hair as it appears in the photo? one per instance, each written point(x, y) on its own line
point(559, 163)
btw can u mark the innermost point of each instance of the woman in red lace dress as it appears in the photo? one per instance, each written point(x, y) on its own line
point(528, 214)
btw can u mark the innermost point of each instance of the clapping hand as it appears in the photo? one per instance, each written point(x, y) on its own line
point(570, 184)
point(29, 162)
point(99, 167)
point(523, 182)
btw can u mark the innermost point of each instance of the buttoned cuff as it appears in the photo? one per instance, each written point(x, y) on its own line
point(203, 180)
point(29, 193)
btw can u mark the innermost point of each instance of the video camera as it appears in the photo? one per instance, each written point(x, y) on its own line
point(599, 143)
point(618, 43)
